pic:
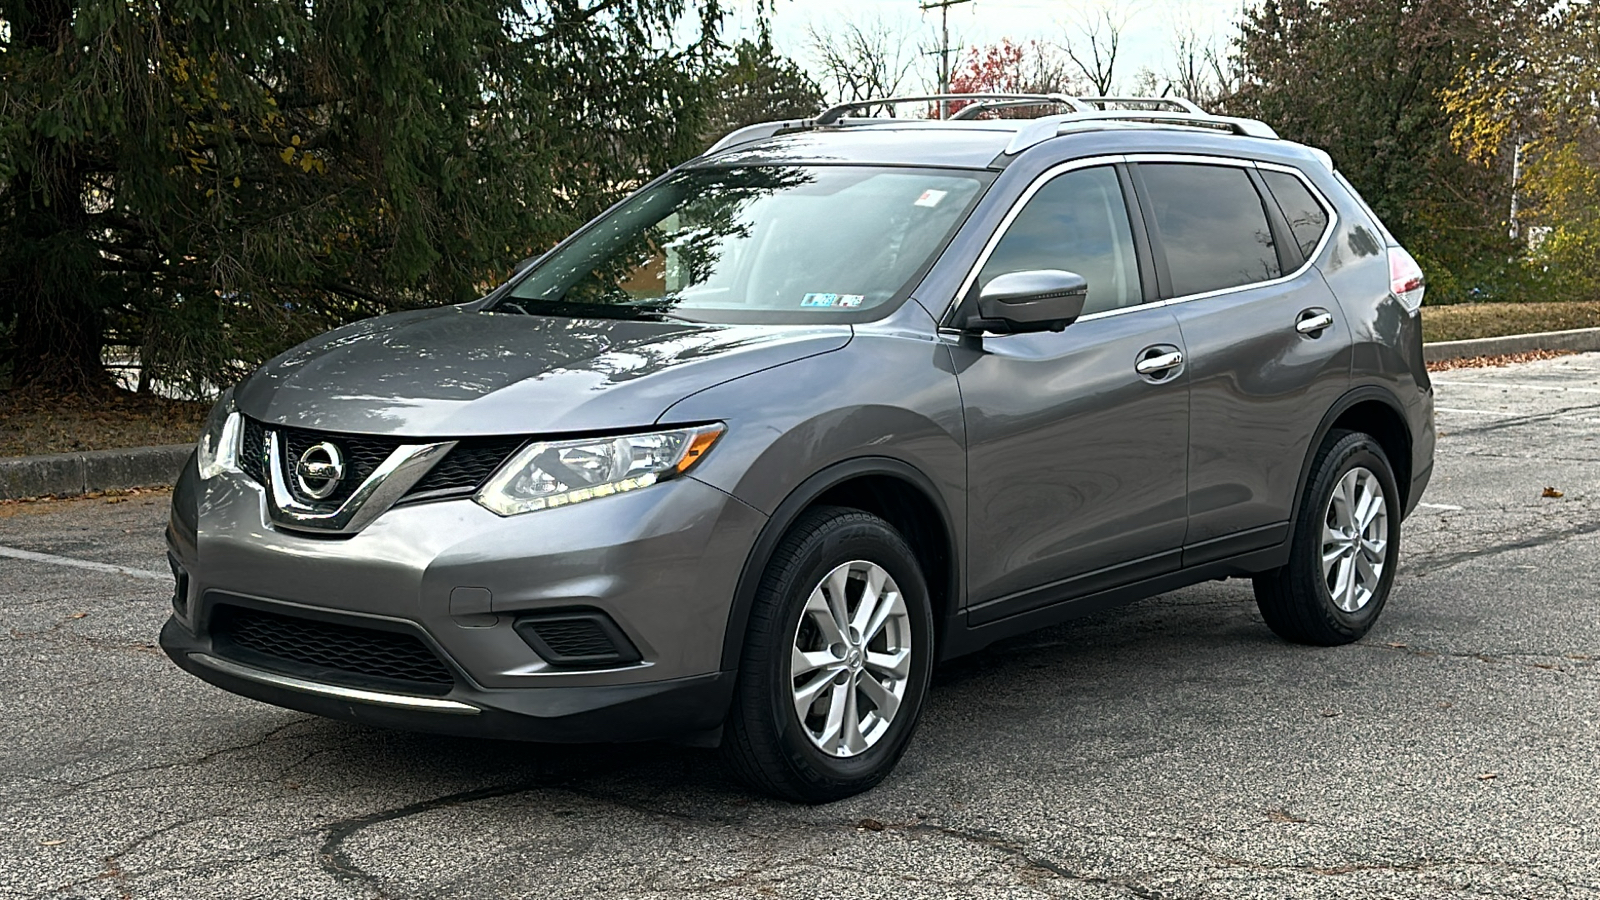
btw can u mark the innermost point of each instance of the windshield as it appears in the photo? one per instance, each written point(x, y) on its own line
point(755, 244)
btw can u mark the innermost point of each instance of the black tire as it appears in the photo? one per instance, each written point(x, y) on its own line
point(765, 743)
point(1296, 600)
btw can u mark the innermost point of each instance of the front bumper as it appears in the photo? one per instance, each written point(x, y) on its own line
point(624, 712)
point(662, 564)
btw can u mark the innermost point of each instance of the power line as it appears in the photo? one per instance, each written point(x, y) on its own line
point(943, 6)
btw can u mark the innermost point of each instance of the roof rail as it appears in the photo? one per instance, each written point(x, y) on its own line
point(1174, 111)
point(759, 132)
point(1175, 103)
point(978, 108)
point(833, 114)
point(1048, 127)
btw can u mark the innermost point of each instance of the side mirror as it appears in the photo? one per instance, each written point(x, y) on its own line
point(1035, 300)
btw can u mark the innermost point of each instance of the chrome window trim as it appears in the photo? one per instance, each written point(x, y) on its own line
point(1308, 263)
point(1180, 158)
point(387, 484)
point(338, 692)
point(1316, 195)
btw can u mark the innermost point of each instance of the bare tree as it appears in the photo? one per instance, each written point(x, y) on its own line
point(860, 61)
point(1199, 65)
point(1094, 49)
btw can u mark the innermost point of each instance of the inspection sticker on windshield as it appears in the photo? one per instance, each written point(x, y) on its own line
point(845, 300)
point(931, 198)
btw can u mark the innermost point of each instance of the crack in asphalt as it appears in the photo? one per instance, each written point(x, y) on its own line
point(73, 787)
point(1518, 421)
point(1421, 568)
point(335, 860)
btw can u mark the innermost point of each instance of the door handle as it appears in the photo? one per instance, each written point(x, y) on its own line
point(1314, 321)
point(1154, 365)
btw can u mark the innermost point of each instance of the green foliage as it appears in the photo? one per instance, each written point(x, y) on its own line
point(213, 180)
point(1540, 104)
point(1366, 81)
point(753, 83)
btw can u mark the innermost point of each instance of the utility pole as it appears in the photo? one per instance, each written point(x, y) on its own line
point(943, 6)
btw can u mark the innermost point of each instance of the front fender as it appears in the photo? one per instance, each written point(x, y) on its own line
point(885, 405)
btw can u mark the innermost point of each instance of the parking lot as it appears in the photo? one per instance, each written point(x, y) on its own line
point(1174, 749)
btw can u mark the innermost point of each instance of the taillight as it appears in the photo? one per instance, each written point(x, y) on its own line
point(1406, 279)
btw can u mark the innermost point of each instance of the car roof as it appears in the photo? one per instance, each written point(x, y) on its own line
point(985, 144)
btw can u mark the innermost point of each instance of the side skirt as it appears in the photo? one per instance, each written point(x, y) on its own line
point(962, 637)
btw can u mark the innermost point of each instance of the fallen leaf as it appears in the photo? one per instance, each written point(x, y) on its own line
point(1284, 817)
point(1488, 776)
point(78, 615)
point(1398, 646)
point(55, 843)
point(870, 824)
point(1329, 713)
point(1552, 492)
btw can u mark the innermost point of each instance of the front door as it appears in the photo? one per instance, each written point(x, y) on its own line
point(1075, 460)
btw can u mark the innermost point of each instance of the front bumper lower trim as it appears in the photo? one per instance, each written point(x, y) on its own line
point(304, 686)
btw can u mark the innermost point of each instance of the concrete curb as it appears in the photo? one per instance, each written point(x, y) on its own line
point(1581, 340)
point(72, 474)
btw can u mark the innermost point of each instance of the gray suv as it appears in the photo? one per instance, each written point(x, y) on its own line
point(740, 461)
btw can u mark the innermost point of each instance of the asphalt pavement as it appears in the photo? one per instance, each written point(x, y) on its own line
point(1172, 749)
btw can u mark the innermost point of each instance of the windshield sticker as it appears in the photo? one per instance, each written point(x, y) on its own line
point(819, 300)
point(851, 299)
point(931, 198)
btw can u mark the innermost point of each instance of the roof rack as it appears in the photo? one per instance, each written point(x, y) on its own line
point(1178, 103)
point(976, 109)
point(833, 114)
point(1168, 111)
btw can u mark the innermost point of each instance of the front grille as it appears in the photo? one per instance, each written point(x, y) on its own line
point(326, 650)
point(362, 456)
point(463, 470)
point(466, 467)
point(253, 450)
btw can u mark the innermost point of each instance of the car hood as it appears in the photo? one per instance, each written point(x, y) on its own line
point(456, 372)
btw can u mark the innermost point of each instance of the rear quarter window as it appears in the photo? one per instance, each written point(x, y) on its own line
point(1307, 218)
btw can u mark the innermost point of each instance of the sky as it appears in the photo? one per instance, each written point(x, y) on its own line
point(1146, 40)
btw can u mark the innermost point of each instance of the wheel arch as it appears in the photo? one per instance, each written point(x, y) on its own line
point(1375, 411)
point(888, 488)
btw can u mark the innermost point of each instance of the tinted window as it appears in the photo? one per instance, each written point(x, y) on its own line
point(1213, 226)
point(1307, 218)
point(755, 244)
point(1077, 222)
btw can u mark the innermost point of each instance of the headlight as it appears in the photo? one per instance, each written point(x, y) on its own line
point(559, 473)
point(218, 450)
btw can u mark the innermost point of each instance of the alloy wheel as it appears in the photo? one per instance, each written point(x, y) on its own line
point(851, 658)
point(1355, 539)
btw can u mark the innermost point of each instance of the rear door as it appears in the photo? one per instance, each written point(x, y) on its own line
point(1075, 460)
point(1268, 349)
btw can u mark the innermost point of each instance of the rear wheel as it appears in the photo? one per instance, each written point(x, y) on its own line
point(1346, 542)
point(836, 660)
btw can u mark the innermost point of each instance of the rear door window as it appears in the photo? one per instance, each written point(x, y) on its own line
point(1212, 226)
point(1307, 219)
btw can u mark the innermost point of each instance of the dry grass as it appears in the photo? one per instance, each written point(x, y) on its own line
point(1481, 320)
point(33, 422)
point(1496, 361)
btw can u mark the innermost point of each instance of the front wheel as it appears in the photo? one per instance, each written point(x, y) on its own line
point(1346, 543)
point(836, 660)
